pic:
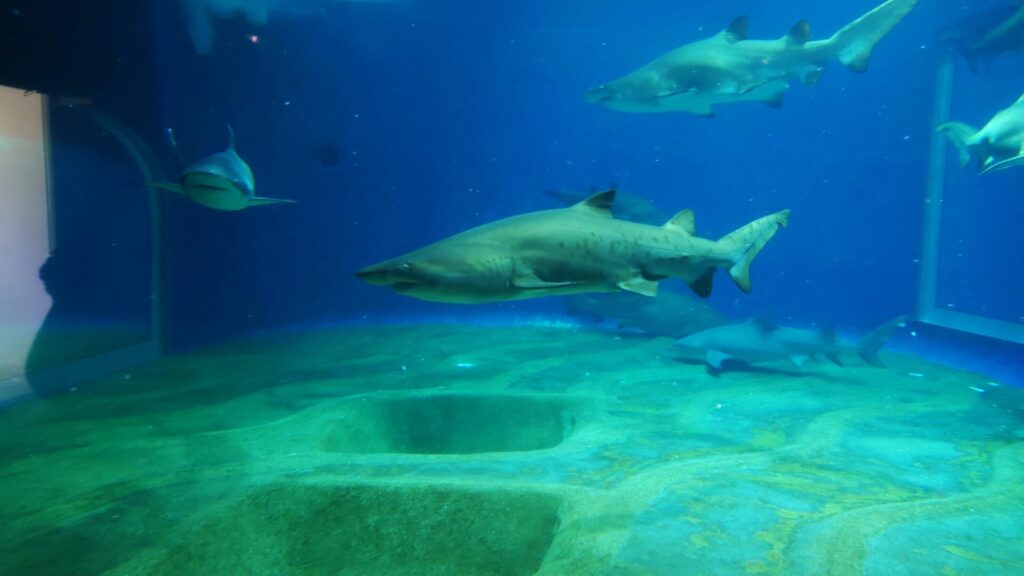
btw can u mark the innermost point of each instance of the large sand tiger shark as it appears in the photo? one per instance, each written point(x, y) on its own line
point(572, 250)
point(728, 67)
point(998, 145)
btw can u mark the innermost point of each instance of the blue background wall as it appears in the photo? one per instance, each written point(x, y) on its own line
point(446, 115)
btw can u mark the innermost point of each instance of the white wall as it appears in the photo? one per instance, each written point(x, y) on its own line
point(24, 231)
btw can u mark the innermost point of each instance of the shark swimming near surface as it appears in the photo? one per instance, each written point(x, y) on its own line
point(222, 181)
point(729, 68)
point(758, 340)
point(573, 250)
point(997, 146)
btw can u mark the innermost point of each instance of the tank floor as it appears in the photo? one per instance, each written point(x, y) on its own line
point(434, 450)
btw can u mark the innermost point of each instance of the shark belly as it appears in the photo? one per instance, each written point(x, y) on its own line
point(702, 103)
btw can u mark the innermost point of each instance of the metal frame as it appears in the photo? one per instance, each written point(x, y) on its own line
point(927, 311)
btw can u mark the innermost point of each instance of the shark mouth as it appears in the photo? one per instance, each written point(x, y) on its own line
point(598, 95)
point(402, 287)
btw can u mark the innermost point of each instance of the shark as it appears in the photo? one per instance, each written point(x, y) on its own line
point(573, 250)
point(997, 146)
point(758, 340)
point(672, 313)
point(222, 181)
point(627, 206)
point(728, 67)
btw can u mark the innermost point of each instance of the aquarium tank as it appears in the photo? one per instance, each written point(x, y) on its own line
point(565, 288)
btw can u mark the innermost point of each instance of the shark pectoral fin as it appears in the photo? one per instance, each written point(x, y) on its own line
point(171, 186)
point(716, 359)
point(258, 201)
point(1004, 164)
point(530, 281)
point(834, 358)
point(640, 285)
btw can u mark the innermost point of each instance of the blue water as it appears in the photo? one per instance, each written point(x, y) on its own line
point(216, 392)
point(395, 124)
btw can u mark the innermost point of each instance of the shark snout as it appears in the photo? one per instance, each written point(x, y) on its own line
point(378, 274)
point(397, 275)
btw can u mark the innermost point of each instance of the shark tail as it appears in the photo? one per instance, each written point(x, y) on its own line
point(746, 242)
point(854, 43)
point(869, 346)
point(960, 135)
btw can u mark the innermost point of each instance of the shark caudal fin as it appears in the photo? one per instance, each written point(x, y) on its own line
point(748, 241)
point(869, 346)
point(853, 44)
point(960, 135)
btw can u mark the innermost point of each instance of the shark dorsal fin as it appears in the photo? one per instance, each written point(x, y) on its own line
point(684, 222)
point(600, 203)
point(763, 324)
point(231, 137)
point(736, 31)
point(800, 33)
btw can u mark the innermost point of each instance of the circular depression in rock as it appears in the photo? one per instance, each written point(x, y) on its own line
point(451, 424)
point(365, 530)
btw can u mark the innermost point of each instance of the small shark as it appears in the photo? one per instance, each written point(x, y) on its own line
point(627, 206)
point(997, 146)
point(672, 313)
point(222, 181)
point(758, 340)
point(573, 250)
point(728, 67)
point(986, 36)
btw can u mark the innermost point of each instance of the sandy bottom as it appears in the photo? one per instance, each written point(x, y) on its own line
point(430, 450)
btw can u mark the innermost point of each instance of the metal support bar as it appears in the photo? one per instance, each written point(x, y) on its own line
point(927, 310)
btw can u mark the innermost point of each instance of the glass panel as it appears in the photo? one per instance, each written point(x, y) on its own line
point(979, 252)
